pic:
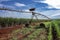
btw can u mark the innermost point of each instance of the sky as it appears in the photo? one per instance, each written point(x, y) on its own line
point(50, 8)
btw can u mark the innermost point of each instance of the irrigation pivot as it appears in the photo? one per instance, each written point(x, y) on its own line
point(31, 10)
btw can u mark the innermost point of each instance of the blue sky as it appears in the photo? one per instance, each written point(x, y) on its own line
point(50, 8)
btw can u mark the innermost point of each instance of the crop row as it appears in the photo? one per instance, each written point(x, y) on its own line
point(54, 31)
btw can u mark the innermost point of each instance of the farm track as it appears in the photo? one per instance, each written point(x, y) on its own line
point(21, 36)
point(6, 34)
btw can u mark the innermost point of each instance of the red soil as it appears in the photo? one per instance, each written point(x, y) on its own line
point(5, 33)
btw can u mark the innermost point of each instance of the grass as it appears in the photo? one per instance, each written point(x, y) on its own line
point(57, 29)
point(50, 32)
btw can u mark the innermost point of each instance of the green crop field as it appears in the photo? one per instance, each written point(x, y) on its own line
point(50, 32)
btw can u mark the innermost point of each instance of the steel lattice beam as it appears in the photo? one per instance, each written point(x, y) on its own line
point(14, 10)
point(23, 12)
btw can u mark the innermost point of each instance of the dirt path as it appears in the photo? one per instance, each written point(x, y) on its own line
point(6, 34)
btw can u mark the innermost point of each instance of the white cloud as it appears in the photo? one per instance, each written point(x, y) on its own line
point(58, 14)
point(1, 5)
point(14, 14)
point(52, 3)
point(52, 13)
point(19, 4)
point(6, 6)
point(27, 10)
